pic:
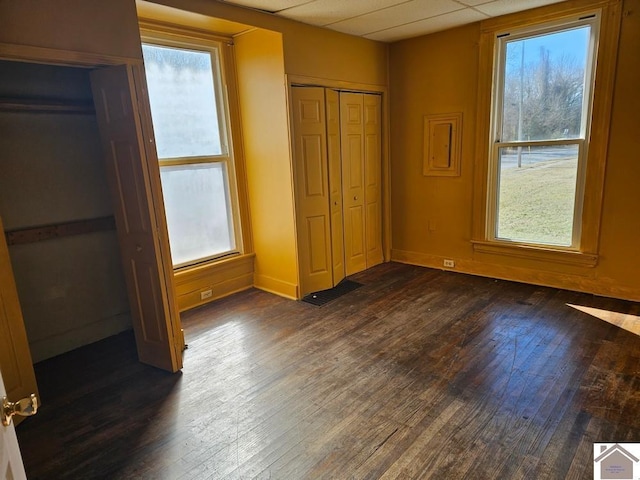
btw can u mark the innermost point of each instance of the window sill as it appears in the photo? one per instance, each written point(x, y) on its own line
point(530, 252)
point(217, 266)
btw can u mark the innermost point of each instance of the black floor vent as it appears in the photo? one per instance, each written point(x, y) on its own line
point(325, 296)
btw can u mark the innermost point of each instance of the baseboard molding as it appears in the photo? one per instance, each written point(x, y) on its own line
point(79, 337)
point(275, 286)
point(580, 281)
point(224, 278)
point(219, 290)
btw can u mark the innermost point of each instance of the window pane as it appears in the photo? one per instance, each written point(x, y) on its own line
point(198, 213)
point(536, 201)
point(544, 85)
point(183, 102)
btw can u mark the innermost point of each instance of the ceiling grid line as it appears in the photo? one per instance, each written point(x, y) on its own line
point(389, 20)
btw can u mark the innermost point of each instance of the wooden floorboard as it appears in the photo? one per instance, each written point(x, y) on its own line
point(419, 373)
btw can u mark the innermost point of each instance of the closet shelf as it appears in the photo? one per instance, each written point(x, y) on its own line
point(44, 105)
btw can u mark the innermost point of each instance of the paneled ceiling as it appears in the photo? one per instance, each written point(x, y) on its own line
point(390, 20)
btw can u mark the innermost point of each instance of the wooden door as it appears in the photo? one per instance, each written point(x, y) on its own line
point(372, 179)
point(335, 184)
point(11, 466)
point(312, 189)
point(15, 357)
point(137, 212)
point(353, 191)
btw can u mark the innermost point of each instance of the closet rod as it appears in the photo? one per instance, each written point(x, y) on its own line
point(41, 105)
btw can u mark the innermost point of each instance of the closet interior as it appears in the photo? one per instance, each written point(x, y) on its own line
point(57, 210)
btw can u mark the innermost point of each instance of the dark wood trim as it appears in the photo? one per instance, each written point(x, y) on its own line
point(47, 232)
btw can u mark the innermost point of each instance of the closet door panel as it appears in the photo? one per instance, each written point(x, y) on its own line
point(373, 182)
point(150, 286)
point(312, 189)
point(353, 191)
point(335, 183)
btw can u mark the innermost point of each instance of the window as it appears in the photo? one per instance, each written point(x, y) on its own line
point(190, 122)
point(540, 124)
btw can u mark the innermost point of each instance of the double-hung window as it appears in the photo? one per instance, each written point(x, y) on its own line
point(540, 123)
point(191, 126)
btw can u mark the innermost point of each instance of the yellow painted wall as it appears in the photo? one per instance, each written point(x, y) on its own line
point(620, 237)
point(432, 74)
point(431, 217)
point(263, 109)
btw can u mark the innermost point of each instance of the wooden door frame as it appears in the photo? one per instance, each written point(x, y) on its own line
point(68, 58)
point(305, 81)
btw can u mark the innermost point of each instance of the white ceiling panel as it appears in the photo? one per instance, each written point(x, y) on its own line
point(473, 3)
point(323, 12)
point(502, 7)
point(268, 5)
point(397, 15)
point(428, 25)
point(390, 20)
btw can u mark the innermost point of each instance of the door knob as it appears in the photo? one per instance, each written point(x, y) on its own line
point(25, 408)
point(355, 198)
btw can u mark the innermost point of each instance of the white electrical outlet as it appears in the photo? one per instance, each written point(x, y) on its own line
point(206, 294)
point(449, 263)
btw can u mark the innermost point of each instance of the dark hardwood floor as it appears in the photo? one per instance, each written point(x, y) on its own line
point(417, 374)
